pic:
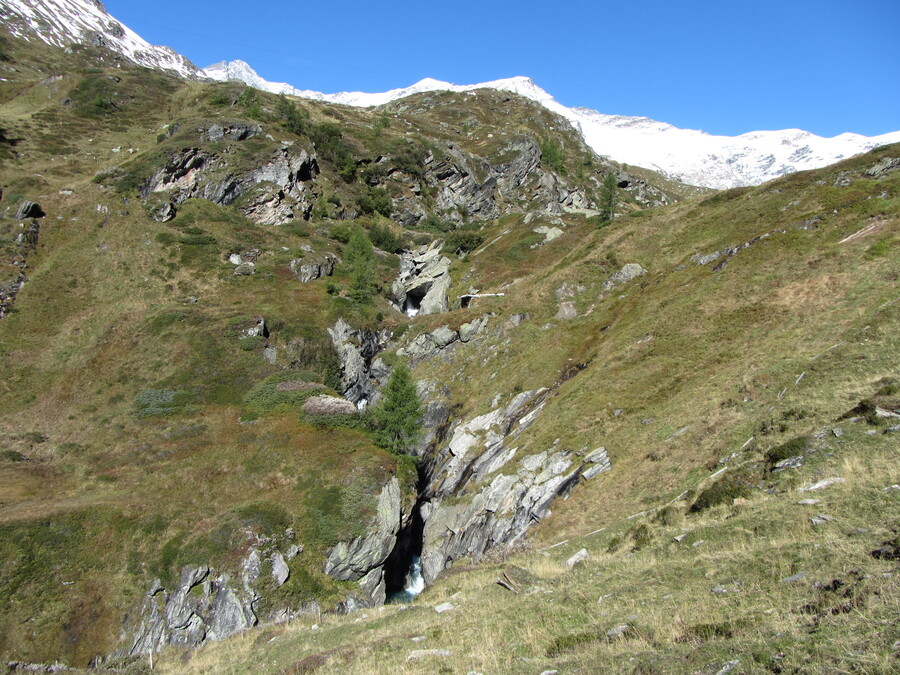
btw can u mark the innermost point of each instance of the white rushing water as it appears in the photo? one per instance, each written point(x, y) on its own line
point(415, 582)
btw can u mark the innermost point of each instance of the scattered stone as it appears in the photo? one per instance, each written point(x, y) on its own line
point(550, 233)
point(328, 405)
point(600, 461)
point(892, 429)
point(418, 638)
point(618, 631)
point(838, 432)
point(821, 519)
point(728, 667)
point(444, 607)
point(827, 482)
point(624, 275)
point(164, 213)
point(581, 556)
point(892, 488)
point(719, 590)
point(425, 653)
point(793, 577)
point(809, 502)
point(245, 269)
point(789, 463)
point(679, 538)
point(567, 311)
point(697, 543)
point(883, 167)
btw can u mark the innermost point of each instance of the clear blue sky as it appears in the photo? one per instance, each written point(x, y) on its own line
point(826, 66)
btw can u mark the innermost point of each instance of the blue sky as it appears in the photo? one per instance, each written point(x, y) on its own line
point(727, 68)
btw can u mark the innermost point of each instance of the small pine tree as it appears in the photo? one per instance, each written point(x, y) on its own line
point(609, 197)
point(359, 261)
point(398, 420)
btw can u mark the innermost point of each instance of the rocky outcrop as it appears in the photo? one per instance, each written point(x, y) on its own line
point(28, 209)
point(361, 373)
point(310, 269)
point(202, 606)
point(423, 282)
point(362, 559)
point(429, 344)
point(278, 186)
point(460, 193)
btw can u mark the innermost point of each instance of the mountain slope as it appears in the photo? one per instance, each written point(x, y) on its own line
point(693, 157)
point(65, 22)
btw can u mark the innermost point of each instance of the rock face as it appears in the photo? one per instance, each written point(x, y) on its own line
point(202, 606)
point(503, 505)
point(362, 559)
point(421, 287)
point(361, 376)
point(277, 188)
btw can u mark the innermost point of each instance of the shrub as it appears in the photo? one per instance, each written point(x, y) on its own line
point(462, 241)
point(724, 491)
point(161, 402)
point(792, 448)
point(383, 237)
point(376, 200)
point(250, 343)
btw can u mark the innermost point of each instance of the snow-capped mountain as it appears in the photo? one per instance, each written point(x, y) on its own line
point(691, 156)
point(695, 157)
point(66, 22)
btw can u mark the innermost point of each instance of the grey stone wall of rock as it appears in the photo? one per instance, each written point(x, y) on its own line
point(187, 617)
point(278, 185)
point(423, 282)
point(472, 458)
point(361, 373)
point(362, 559)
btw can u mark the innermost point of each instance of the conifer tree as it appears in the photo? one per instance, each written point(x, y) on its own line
point(359, 260)
point(609, 197)
point(398, 420)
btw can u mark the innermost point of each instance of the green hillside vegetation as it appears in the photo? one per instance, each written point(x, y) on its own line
point(146, 428)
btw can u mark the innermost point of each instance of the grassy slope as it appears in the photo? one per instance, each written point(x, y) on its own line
point(109, 499)
point(724, 357)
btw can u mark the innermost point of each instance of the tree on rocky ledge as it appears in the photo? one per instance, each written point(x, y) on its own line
point(609, 197)
point(398, 420)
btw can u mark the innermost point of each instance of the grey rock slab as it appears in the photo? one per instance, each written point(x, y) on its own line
point(444, 607)
point(280, 569)
point(819, 485)
point(427, 653)
point(566, 311)
point(328, 405)
point(618, 631)
point(624, 275)
point(794, 577)
point(579, 557)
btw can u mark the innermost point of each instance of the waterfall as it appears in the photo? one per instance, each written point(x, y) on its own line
point(415, 582)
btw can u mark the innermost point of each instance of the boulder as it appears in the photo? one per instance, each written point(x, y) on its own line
point(623, 276)
point(310, 269)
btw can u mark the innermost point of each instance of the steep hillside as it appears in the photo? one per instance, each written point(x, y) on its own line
point(724, 424)
point(182, 320)
point(196, 329)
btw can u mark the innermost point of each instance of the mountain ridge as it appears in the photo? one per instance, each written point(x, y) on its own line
point(688, 155)
point(692, 156)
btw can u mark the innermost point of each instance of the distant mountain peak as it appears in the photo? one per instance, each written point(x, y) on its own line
point(66, 22)
point(692, 156)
